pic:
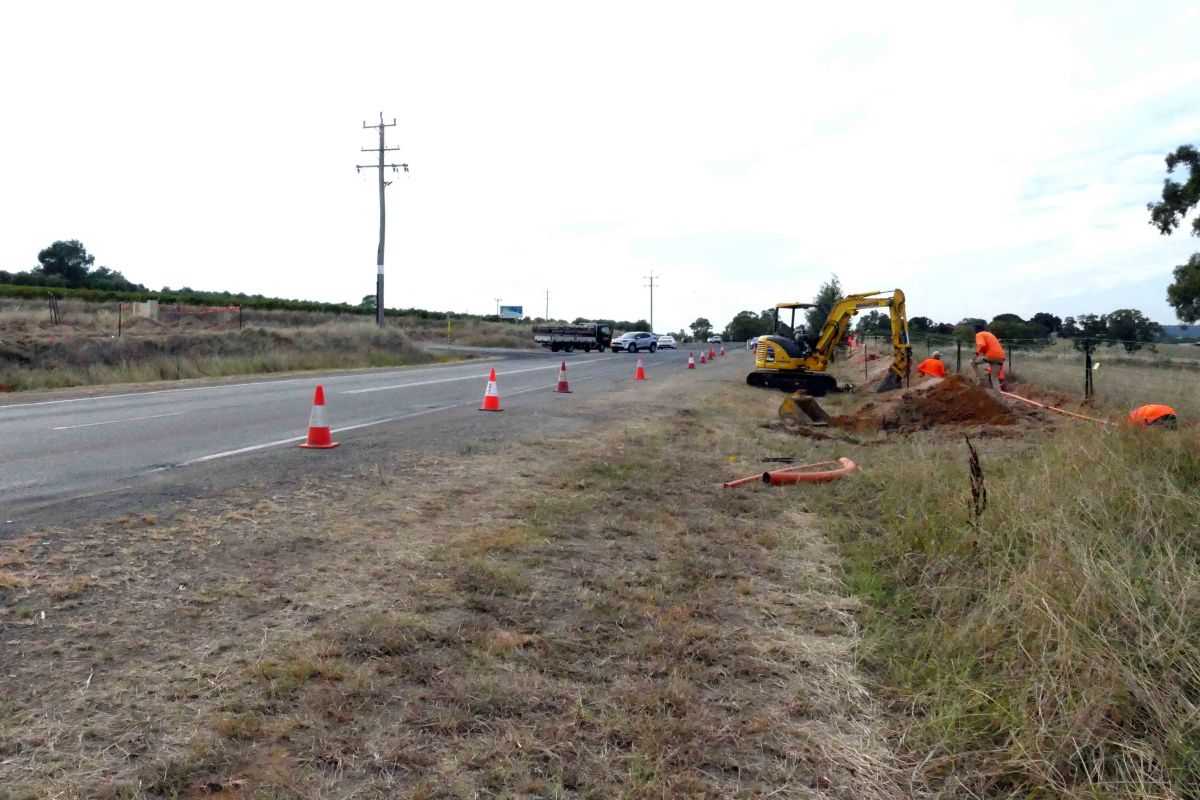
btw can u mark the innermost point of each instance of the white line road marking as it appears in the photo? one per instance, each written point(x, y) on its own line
point(116, 421)
point(370, 389)
point(267, 382)
point(281, 442)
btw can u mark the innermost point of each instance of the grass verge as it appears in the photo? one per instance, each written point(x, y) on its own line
point(137, 359)
point(1051, 648)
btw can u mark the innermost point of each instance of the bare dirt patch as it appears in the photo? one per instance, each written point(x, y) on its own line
point(952, 401)
point(587, 616)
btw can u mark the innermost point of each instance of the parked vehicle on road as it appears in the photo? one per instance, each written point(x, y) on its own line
point(635, 342)
point(714, 340)
point(666, 342)
point(587, 336)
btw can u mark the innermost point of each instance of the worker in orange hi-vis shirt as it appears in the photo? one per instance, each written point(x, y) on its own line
point(988, 351)
point(1153, 415)
point(932, 366)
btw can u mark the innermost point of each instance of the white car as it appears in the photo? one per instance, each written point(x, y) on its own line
point(665, 342)
point(714, 340)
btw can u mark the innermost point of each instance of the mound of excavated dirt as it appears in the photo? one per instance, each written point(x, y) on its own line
point(953, 401)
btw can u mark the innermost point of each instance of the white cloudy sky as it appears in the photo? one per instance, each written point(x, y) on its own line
point(985, 157)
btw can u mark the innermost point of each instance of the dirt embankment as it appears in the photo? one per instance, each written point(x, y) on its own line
point(952, 401)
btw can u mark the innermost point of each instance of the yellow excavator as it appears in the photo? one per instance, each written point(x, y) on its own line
point(799, 363)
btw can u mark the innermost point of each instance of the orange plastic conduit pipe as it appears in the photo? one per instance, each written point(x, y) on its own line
point(793, 475)
point(1052, 408)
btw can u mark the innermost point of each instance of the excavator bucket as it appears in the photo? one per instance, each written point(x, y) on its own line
point(890, 381)
point(799, 410)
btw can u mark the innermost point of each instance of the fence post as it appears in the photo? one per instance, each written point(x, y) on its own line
point(1087, 368)
point(239, 318)
point(1011, 351)
point(120, 308)
point(928, 349)
point(958, 357)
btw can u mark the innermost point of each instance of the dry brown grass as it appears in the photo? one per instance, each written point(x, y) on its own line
point(86, 350)
point(173, 356)
point(599, 621)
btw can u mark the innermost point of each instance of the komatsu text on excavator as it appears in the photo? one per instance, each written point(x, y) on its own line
point(799, 363)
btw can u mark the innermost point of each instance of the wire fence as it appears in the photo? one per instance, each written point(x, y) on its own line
point(1104, 370)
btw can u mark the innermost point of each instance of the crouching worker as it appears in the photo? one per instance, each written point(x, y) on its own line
point(988, 351)
point(932, 367)
point(1153, 415)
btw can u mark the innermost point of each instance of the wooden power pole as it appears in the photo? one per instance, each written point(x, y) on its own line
point(652, 284)
point(382, 208)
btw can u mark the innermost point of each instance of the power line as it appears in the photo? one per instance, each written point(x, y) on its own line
point(382, 210)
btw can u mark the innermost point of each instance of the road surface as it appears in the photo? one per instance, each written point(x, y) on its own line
point(57, 453)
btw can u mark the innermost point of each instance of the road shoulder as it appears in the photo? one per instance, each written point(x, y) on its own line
point(584, 613)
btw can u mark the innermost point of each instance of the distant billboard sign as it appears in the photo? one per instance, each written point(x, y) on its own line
point(512, 312)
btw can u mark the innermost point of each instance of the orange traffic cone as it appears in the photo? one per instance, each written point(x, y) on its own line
point(562, 380)
point(702, 361)
point(722, 350)
point(640, 375)
point(711, 353)
point(318, 426)
point(491, 397)
point(691, 361)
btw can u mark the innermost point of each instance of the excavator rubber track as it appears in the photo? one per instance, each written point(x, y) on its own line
point(813, 384)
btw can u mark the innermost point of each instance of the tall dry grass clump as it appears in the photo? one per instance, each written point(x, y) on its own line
point(83, 361)
point(1052, 649)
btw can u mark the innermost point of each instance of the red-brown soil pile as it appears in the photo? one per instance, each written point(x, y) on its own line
point(954, 401)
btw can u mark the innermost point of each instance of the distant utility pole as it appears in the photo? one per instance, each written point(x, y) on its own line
point(547, 317)
point(382, 212)
point(497, 306)
point(651, 284)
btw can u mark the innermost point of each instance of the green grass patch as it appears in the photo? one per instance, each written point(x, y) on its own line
point(1052, 648)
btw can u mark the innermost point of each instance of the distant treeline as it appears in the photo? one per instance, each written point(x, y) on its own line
point(191, 297)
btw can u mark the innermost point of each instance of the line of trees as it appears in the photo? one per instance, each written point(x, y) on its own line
point(1126, 326)
point(67, 264)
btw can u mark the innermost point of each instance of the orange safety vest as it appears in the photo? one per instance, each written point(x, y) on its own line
point(1147, 415)
point(933, 367)
point(988, 346)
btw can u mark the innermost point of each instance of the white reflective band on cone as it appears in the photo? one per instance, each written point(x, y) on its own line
point(317, 418)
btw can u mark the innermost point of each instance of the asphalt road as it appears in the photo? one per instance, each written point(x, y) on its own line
point(57, 453)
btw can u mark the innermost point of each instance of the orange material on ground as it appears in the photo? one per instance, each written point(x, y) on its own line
point(954, 401)
point(788, 475)
point(1054, 408)
point(932, 367)
point(798, 474)
point(988, 346)
point(1148, 415)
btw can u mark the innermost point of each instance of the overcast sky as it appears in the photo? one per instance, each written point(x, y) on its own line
point(985, 157)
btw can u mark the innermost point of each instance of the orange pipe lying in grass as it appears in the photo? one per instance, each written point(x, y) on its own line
point(1052, 408)
point(794, 475)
